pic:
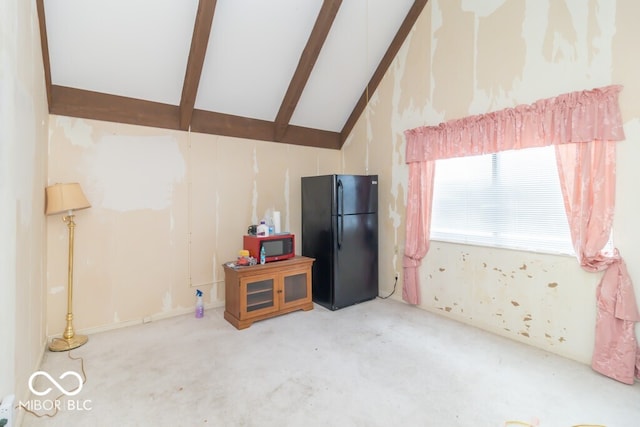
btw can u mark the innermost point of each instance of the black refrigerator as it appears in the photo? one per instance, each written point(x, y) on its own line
point(340, 230)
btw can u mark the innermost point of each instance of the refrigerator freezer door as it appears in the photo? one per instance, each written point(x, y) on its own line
point(355, 194)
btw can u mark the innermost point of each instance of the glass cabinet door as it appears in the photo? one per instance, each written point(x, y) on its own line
point(260, 296)
point(295, 288)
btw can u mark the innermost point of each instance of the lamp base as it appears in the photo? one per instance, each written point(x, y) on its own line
point(63, 344)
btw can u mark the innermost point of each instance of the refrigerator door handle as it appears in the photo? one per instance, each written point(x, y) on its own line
point(340, 212)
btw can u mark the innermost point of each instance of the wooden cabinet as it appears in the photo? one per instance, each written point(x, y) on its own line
point(261, 291)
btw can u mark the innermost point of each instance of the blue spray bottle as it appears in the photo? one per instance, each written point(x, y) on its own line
point(199, 304)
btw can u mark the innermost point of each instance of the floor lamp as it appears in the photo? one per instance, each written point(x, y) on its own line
point(67, 198)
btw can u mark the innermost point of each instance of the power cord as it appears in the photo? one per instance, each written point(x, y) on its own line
point(56, 406)
point(395, 283)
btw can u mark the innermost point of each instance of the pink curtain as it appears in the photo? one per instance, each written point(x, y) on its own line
point(418, 219)
point(587, 177)
point(582, 126)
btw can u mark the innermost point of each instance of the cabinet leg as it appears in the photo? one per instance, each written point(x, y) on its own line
point(239, 324)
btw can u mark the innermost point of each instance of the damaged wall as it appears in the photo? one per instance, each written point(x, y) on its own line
point(23, 171)
point(467, 57)
point(168, 209)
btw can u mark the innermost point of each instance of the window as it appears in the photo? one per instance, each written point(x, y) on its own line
point(510, 199)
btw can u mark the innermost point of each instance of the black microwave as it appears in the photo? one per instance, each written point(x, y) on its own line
point(276, 247)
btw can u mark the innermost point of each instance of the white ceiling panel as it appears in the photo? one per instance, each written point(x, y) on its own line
point(359, 38)
point(253, 51)
point(132, 48)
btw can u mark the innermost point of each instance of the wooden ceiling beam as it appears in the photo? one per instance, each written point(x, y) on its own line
point(197, 53)
point(85, 104)
point(112, 108)
point(298, 135)
point(244, 127)
point(385, 63)
point(44, 43)
point(306, 63)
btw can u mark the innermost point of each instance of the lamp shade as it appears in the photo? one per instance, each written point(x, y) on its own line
point(65, 197)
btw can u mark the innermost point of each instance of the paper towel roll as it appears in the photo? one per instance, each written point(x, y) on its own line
point(276, 221)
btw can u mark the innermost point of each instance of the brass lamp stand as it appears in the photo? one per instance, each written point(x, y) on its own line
point(67, 198)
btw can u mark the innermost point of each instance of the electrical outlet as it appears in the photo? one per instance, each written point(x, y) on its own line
point(6, 411)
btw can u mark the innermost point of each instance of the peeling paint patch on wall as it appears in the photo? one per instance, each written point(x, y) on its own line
point(287, 202)
point(113, 169)
point(560, 40)
point(451, 60)
point(254, 194)
point(76, 130)
point(167, 302)
point(24, 162)
point(57, 289)
point(495, 75)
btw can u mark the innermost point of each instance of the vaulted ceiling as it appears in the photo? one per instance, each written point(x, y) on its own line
point(292, 71)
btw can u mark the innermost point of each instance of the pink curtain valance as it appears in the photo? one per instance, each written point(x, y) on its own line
point(573, 117)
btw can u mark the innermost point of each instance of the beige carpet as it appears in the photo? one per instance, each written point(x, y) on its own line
point(380, 363)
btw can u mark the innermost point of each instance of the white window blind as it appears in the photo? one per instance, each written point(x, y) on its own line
point(510, 199)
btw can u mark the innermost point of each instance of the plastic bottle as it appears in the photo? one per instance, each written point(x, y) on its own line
point(199, 304)
point(262, 255)
point(263, 229)
point(272, 229)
